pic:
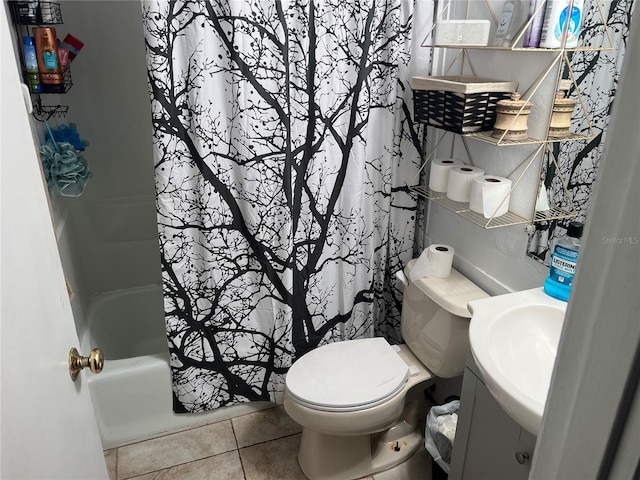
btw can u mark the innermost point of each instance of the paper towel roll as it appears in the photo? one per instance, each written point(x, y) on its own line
point(460, 180)
point(439, 176)
point(435, 261)
point(489, 193)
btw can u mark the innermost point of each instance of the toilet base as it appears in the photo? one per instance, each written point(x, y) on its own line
point(332, 457)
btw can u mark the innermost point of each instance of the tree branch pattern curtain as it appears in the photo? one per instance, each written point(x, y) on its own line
point(283, 146)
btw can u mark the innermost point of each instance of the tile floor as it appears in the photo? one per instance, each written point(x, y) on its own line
point(258, 446)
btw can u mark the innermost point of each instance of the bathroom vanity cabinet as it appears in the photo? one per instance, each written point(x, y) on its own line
point(489, 444)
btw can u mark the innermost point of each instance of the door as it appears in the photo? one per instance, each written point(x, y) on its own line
point(48, 428)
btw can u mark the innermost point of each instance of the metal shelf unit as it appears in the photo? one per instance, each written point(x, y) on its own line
point(559, 61)
point(26, 15)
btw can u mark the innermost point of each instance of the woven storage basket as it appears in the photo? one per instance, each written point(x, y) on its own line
point(460, 104)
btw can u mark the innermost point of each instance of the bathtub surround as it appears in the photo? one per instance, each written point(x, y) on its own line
point(283, 146)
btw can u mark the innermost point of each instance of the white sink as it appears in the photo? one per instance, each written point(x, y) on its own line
point(514, 341)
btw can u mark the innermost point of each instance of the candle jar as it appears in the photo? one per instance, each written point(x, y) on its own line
point(561, 115)
point(511, 118)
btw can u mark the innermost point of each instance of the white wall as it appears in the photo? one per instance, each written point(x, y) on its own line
point(110, 95)
point(494, 259)
point(108, 236)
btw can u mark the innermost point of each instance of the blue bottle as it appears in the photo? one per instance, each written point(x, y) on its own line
point(31, 64)
point(563, 263)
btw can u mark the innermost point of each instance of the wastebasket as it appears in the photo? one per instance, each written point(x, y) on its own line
point(440, 432)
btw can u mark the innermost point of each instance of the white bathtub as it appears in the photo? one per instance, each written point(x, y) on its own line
point(132, 396)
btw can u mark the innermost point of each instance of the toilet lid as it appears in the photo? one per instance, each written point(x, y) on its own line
point(347, 375)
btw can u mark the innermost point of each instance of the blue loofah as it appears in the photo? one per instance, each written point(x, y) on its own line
point(65, 169)
point(68, 134)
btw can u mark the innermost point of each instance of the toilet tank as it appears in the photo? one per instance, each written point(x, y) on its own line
point(435, 320)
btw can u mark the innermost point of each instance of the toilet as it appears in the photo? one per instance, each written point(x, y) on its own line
point(359, 401)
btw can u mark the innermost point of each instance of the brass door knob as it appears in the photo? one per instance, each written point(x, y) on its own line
point(95, 362)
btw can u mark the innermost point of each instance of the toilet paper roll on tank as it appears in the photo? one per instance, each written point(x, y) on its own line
point(435, 261)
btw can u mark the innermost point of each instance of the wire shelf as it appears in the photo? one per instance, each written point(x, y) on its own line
point(36, 13)
point(518, 49)
point(508, 219)
point(554, 213)
point(45, 112)
point(487, 138)
point(516, 44)
point(462, 209)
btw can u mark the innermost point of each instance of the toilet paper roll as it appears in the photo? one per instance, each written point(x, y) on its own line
point(490, 195)
point(435, 261)
point(439, 173)
point(460, 181)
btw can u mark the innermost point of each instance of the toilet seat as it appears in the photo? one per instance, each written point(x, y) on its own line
point(347, 376)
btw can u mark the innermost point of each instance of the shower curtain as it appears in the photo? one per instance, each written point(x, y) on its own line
point(283, 146)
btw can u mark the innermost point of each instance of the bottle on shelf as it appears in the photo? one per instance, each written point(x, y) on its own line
point(561, 25)
point(47, 55)
point(563, 263)
point(31, 64)
point(535, 20)
point(511, 18)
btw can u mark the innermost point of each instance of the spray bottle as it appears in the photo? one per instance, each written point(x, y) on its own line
point(557, 19)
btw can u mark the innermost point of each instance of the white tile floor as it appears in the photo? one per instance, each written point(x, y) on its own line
point(259, 446)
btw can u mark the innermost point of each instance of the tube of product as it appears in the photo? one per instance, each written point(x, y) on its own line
point(63, 54)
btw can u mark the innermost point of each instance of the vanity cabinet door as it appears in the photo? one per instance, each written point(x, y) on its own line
point(489, 444)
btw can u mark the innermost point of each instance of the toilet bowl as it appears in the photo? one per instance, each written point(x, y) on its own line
point(359, 401)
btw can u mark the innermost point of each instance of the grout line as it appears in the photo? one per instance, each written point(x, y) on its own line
point(272, 440)
point(233, 430)
point(244, 473)
point(235, 437)
point(168, 434)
